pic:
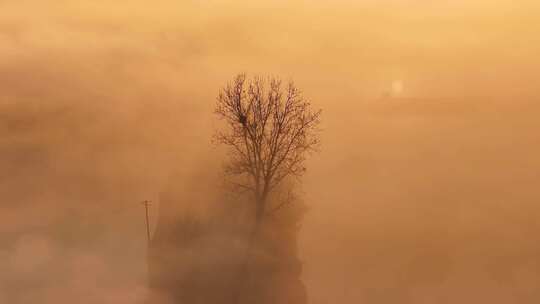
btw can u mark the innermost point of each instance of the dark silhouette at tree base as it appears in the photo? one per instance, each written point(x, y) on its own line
point(197, 260)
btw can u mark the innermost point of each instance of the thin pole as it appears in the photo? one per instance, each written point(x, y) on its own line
point(146, 204)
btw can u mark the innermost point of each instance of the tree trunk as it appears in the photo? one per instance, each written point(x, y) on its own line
point(243, 274)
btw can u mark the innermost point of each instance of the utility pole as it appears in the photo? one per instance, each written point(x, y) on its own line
point(146, 204)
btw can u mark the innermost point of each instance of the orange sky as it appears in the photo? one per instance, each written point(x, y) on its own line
point(437, 48)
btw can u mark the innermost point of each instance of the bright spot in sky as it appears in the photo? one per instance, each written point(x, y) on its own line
point(397, 87)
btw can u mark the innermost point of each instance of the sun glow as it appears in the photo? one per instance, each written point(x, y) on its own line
point(397, 87)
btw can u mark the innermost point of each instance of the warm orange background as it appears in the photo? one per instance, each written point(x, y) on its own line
point(426, 188)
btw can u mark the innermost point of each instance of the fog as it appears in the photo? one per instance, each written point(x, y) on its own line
point(424, 190)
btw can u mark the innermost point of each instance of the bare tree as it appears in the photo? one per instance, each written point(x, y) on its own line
point(270, 130)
